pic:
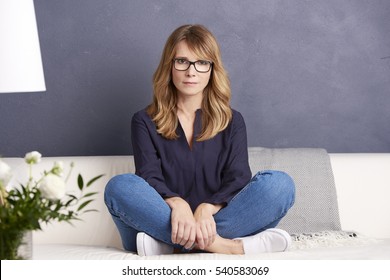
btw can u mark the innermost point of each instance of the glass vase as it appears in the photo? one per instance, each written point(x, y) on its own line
point(16, 245)
point(25, 250)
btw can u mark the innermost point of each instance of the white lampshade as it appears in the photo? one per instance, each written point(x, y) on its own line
point(20, 56)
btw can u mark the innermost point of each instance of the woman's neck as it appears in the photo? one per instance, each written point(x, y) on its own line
point(186, 112)
point(189, 105)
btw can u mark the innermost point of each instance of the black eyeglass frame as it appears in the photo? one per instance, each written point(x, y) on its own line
point(192, 63)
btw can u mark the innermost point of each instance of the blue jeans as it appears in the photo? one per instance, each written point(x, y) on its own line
point(135, 207)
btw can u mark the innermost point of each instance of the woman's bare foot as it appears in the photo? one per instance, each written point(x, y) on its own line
point(226, 246)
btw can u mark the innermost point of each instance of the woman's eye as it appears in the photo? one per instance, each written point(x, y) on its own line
point(182, 61)
point(203, 62)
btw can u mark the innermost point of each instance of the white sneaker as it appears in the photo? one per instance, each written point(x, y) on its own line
point(148, 246)
point(270, 240)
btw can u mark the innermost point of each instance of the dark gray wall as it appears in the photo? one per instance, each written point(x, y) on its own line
point(303, 73)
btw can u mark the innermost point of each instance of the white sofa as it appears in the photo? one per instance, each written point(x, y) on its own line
point(363, 191)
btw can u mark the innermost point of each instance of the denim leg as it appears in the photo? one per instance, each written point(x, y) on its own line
point(135, 207)
point(258, 206)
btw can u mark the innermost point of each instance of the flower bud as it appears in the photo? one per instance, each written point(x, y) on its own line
point(58, 168)
point(33, 157)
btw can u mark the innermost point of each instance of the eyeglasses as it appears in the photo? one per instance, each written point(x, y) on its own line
point(202, 66)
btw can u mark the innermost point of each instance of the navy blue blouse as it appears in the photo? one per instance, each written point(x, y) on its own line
point(213, 171)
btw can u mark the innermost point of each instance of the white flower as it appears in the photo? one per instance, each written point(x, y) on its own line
point(33, 157)
point(52, 187)
point(5, 174)
point(58, 168)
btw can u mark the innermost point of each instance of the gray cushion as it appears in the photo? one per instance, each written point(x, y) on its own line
point(315, 207)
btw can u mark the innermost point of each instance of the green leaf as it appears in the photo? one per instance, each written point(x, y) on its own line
point(94, 179)
point(72, 196)
point(58, 206)
point(70, 201)
point(84, 204)
point(80, 182)
point(90, 194)
point(90, 210)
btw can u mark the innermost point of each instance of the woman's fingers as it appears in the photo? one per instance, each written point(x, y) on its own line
point(206, 227)
point(182, 221)
point(187, 233)
point(191, 239)
point(212, 233)
point(199, 238)
point(188, 227)
point(184, 233)
point(181, 234)
point(209, 233)
point(175, 227)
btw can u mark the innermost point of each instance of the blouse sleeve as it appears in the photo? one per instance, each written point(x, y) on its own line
point(147, 161)
point(236, 172)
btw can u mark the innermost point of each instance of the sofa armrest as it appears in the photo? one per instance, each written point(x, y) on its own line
point(363, 191)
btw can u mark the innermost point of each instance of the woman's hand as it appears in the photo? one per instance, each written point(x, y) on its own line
point(182, 221)
point(206, 229)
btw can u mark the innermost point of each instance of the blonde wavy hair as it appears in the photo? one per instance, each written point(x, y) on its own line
point(216, 111)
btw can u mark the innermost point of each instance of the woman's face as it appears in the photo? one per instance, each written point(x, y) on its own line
point(189, 82)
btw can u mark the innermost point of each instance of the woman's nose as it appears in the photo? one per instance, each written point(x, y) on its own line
point(191, 71)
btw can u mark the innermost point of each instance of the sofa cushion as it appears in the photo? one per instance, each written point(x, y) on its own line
point(315, 207)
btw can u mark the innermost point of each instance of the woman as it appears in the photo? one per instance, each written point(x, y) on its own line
point(193, 189)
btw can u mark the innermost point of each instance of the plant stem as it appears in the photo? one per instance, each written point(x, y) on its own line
point(30, 178)
point(70, 171)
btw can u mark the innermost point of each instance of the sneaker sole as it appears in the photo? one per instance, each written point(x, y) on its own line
point(140, 244)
